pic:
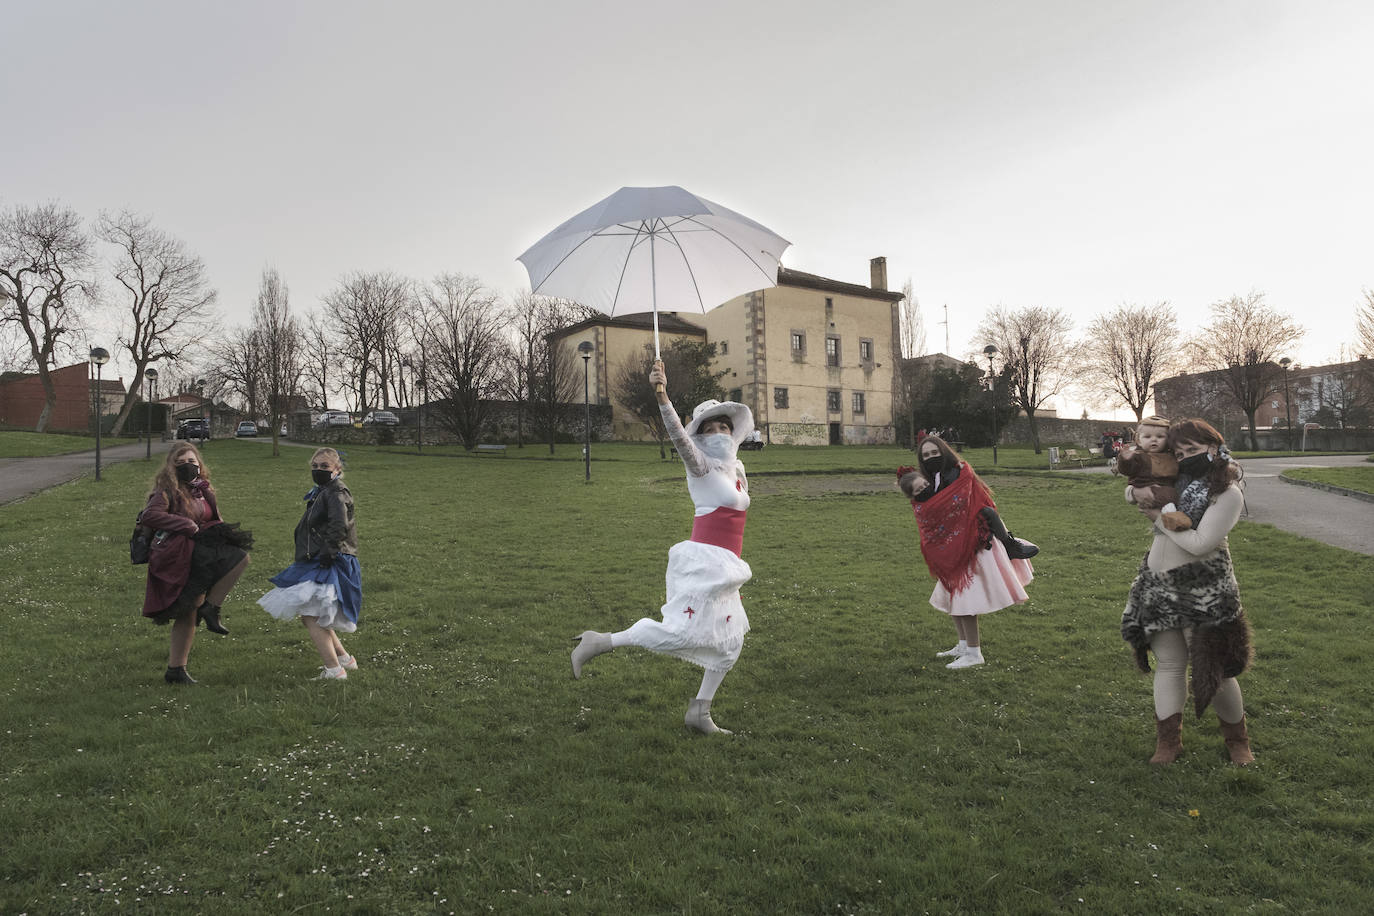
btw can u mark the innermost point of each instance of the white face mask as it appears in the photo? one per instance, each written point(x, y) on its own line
point(720, 446)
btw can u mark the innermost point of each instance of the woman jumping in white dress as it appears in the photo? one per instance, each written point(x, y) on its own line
point(703, 621)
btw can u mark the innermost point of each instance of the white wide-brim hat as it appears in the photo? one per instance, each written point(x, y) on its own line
point(741, 417)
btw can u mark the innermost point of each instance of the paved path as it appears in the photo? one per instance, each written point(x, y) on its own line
point(23, 477)
point(1331, 518)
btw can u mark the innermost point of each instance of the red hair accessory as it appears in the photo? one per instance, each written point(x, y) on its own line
point(905, 470)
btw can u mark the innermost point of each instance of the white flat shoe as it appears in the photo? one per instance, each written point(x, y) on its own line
point(966, 661)
point(955, 652)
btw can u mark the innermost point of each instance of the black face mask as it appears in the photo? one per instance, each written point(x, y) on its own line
point(322, 476)
point(1196, 466)
point(188, 472)
point(933, 466)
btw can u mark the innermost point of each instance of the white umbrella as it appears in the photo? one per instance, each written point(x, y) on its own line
point(645, 249)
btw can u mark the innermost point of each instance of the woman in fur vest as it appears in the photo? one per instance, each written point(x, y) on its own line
point(1184, 605)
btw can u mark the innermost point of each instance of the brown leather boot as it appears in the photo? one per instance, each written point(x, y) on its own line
point(1168, 739)
point(1237, 741)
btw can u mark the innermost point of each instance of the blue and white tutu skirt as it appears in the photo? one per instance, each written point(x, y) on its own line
point(333, 594)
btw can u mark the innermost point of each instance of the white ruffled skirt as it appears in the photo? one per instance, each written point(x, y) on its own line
point(998, 582)
point(703, 619)
point(309, 599)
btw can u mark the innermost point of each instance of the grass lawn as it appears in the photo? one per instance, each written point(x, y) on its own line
point(1355, 478)
point(462, 770)
point(16, 443)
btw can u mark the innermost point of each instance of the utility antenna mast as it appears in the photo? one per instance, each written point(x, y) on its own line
point(946, 324)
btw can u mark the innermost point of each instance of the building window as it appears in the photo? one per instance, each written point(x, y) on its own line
point(724, 348)
point(798, 343)
point(832, 351)
point(1273, 405)
point(858, 402)
point(779, 398)
point(865, 350)
point(736, 395)
point(829, 309)
point(832, 400)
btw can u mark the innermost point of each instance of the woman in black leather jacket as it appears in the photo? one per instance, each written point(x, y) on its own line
point(323, 587)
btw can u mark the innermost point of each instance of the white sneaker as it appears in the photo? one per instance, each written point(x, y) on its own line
point(348, 662)
point(967, 660)
point(332, 674)
point(955, 652)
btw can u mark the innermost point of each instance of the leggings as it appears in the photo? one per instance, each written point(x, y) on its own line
point(1171, 679)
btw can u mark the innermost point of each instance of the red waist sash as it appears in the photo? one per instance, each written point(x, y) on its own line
point(721, 528)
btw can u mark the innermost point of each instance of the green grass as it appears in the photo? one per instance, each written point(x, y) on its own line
point(462, 770)
point(1355, 478)
point(22, 444)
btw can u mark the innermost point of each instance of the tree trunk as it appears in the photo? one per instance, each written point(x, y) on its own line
point(1254, 439)
point(50, 400)
point(1034, 431)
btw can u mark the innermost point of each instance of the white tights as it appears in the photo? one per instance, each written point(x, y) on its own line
point(1171, 679)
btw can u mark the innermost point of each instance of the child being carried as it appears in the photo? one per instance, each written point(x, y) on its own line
point(1152, 471)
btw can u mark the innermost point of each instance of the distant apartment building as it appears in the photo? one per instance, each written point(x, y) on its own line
point(813, 358)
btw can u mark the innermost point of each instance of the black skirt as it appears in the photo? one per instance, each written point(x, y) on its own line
point(217, 551)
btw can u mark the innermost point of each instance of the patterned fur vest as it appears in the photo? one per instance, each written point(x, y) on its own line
point(1202, 595)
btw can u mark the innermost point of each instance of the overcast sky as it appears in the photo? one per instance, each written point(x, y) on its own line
point(1077, 154)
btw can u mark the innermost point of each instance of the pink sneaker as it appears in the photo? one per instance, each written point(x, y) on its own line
point(332, 674)
point(349, 662)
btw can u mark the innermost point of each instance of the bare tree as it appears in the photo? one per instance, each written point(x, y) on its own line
point(1364, 326)
point(541, 377)
point(317, 349)
point(908, 381)
point(1037, 352)
point(1127, 351)
point(238, 369)
point(167, 297)
point(363, 310)
point(45, 276)
point(465, 347)
point(1244, 342)
point(279, 339)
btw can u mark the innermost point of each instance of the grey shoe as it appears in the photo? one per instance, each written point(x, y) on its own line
point(699, 717)
point(589, 645)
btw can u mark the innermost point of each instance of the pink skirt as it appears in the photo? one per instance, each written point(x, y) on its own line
point(998, 582)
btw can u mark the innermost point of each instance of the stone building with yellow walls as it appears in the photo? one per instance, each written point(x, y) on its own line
point(812, 357)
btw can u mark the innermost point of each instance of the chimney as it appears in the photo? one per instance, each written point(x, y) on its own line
point(877, 272)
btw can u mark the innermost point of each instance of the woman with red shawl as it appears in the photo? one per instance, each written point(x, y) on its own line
point(980, 566)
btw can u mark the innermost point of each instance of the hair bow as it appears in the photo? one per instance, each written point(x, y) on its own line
point(905, 470)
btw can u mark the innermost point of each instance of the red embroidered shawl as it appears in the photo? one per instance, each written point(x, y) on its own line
point(952, 532)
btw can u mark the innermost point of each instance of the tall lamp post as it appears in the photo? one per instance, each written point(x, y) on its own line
point(585, 348)
point(151, 376)
point(100, 356)
point(990, 351)
point(210, 419)
point(1287, 410)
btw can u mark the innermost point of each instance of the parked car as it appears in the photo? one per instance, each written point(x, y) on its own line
point(381, 418)
point(247, 428)
point(198, 428)
point(333, 418)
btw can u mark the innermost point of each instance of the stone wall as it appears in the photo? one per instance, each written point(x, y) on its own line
point(501, 427)
point(1061, 431)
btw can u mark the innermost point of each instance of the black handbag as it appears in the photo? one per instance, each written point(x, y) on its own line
point(140, 542)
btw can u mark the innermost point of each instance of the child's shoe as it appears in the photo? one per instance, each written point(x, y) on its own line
point(332, 674)
point(348, 662)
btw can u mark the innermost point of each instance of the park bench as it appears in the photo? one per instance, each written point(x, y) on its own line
point(1071, 454)
point(492, 450)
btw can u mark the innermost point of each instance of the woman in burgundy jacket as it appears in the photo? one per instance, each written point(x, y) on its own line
point(195, 558)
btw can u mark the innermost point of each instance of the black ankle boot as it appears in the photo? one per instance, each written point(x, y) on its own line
point(178, 675)
point(1017, 549)
point(210, 614)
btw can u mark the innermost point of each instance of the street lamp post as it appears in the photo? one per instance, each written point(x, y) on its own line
point(210, 418)
point(585, 348)
point(100, 356)
point(151, 376)
point(990, 351)
point(1287, 410)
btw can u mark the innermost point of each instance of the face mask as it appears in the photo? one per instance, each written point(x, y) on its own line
point(718, 445)
point(322, 476)
point(934, 465)
point(188, 472)
point(1196, 466)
